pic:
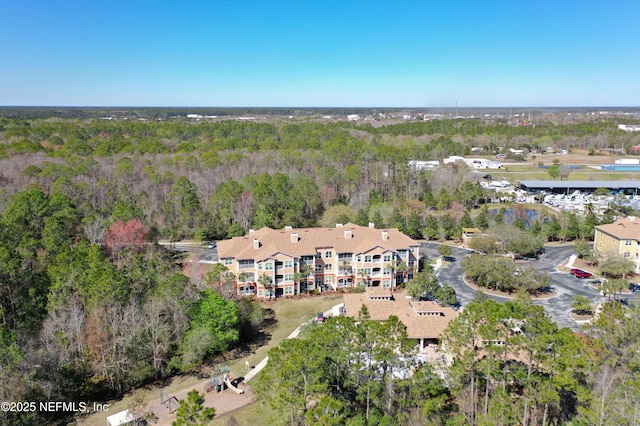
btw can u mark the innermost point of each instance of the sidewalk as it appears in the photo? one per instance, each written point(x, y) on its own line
point(258, 368)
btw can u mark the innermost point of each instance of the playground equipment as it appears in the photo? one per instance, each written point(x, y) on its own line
point(219, 381)
point(230, 385)
point(170, 402)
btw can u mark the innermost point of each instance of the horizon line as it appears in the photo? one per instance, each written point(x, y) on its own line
point(325, 107)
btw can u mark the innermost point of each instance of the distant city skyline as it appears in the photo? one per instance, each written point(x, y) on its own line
point(227, 53)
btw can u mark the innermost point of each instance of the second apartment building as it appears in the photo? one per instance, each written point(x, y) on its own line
point(620, 238)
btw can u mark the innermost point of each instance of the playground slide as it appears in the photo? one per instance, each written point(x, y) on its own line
point(233, 388)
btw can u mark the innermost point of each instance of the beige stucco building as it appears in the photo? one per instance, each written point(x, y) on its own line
point(620, 238)
point(425, 321)
point(281, 262)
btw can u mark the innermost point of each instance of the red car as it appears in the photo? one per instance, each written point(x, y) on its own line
point(574, 270)
point(583, 274)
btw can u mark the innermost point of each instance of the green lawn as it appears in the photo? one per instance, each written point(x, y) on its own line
point(518, 173)
point(288, 314)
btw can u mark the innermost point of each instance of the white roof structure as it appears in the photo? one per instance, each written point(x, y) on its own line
point(121, 418)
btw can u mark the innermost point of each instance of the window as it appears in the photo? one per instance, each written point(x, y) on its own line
point(288, 290)
point(328, 267)
point(228, 262)
point(260, 293)
point(318, 268)
point(615, 240)
point(318, 280)
point(318, 255)
point(367, 258)
point(387, 258)
point(328, 254)
point(627, 242)
point(600, 244)
point(288, 277)
point(288, 263)
point(268, 266)
point(358, 258)
point(386, 283)
point(260, 265)
point(327, 279)
point(367, 271)
point(412, 249)
point(627, 254)
point(386, 271)
point(359, 271)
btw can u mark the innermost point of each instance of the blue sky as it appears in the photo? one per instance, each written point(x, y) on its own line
point(319, 53)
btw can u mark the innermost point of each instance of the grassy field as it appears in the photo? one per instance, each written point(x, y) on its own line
point(527, 172)
point(282, 317)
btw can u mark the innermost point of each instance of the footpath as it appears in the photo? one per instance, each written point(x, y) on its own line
point(258, 368)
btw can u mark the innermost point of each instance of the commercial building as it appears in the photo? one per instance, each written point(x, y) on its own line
point(282, 262)
point(567, 186)
point(621, 238)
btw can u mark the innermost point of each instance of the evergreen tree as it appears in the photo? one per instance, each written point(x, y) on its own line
point(414, 226)
point(192, 412)
point(431, 229)
point(466, 221)
point(481, 221)
point(377, 220)
point(554, 229)
point(363, 217)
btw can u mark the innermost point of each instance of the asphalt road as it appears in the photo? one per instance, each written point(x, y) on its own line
point(206, 254)
point(565, 285)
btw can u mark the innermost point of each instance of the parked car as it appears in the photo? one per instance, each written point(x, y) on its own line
point(212, 244)
point(575, 270)
point(634, 287)
point(488, 177)
point(320, 318)
point(583, 274)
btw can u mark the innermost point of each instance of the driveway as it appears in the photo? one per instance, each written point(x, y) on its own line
point(565, 285)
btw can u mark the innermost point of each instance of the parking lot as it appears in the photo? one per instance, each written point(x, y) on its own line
point(565, 286)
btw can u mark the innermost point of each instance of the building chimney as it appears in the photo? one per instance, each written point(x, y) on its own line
point(385, 235)
point(339, 225)
point(288, 228)
point(632, 218)
point(372, 225)
point(256, 243)
point(347, 234)
point(251, 231)
point(294, 237)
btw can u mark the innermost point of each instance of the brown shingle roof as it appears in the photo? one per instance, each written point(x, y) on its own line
point(349, 238)
point(418, 326)
point(623, 229)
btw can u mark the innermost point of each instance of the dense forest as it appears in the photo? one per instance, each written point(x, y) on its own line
point(91, 306)
point(511, 366)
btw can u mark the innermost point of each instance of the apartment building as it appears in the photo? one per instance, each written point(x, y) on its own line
point(620, 238)
point(281, 262)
